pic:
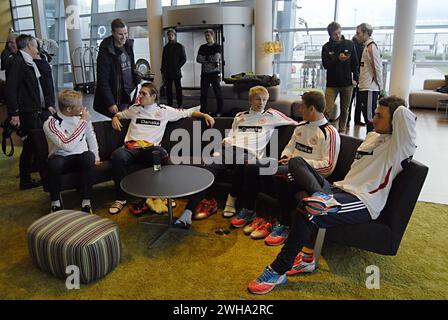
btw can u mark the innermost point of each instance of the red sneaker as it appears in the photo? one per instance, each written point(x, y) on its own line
point(205, 209)
point(302, 265)
point(263, 231)
point(139, 207)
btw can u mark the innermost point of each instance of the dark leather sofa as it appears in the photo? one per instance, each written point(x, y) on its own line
point(382, 236)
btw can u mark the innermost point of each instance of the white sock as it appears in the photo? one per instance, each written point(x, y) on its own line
point(85, 202)
point(186, 216)
point(56, 203)
point(230, 201)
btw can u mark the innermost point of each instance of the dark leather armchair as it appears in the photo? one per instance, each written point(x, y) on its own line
point(383, 235)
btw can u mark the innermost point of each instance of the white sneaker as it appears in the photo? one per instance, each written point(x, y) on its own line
point(117, 206)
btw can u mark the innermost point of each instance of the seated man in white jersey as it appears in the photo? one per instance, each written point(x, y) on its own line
point(250, 133)
point(360, 197)
point(72, 146)
point(316, 144)
point(144, 135)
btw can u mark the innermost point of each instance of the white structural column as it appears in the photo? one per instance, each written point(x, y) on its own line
point(73, 24)
point(40, 23)
point(401, 66)
point(154, 13)
point(263, 33)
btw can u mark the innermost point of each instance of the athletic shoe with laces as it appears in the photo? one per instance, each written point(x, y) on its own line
point(302, 265)
point(321, 203)
point(117, 206)
point(139, 207)
point(262, 231)
point(87, 209)
point(243, 217)
point(205, 209)
point(278, 235)
point(56, 208)
point(266, 282)
point(254, 225)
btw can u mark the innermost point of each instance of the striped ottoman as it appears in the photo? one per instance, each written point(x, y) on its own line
point(74, 238)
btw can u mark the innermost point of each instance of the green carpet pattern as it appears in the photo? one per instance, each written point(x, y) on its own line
point(211, 266)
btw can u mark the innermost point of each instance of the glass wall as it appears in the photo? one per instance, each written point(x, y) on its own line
point(299, 24)
point(22, 15)
point(302, 29)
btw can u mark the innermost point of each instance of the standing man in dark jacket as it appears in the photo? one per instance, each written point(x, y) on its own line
point(209, 56)
point(25, 101)
point(116, 76)
point(9, 52)
point(173, 59)
point(340, 61)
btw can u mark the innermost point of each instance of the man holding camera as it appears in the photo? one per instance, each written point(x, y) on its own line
point(25, 101)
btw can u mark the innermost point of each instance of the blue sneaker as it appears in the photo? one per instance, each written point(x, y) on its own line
point(243, 217)
point(266, 282)
point(321, 203)
point(278, 235)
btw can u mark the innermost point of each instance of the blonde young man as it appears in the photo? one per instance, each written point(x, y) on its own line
point(250, 133)
point(144, 135)
point(72, 146)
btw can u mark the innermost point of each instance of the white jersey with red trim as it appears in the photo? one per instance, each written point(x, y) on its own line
point(371, 68)
point(318, 143)
point(149, 122)
point(69, 135)
point(379, 159)
point(253, 130)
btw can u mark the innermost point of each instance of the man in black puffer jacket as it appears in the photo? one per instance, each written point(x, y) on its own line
point(173, 59)
point(340, 60)
point(116, 75)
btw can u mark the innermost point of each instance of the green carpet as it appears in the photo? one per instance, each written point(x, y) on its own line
point(210, 266)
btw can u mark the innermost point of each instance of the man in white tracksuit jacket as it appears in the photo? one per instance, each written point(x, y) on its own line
point(370, 74)
point(362, 194)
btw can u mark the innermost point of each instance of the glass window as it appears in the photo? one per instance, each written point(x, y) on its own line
point(20, 2)
point(432, 12)
point(376, 13)
point(304, 13)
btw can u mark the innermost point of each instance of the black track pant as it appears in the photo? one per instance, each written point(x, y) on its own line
point(58, 165)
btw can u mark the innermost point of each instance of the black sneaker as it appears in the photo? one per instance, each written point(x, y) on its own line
point(56, 208)
point(87, 209)
point(29, 185)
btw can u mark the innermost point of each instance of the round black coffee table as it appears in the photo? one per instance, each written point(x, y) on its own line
point(172, 181)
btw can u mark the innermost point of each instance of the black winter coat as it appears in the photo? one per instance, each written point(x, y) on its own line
point(109, 86)
point(339, 73)
point(173, 58)
point(22, 88)
point(46, 82)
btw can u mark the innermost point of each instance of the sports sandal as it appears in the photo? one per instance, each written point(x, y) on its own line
point(228, 211)
point(117, 206)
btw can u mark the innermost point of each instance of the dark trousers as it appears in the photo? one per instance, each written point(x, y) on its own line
point(368, 100)
point(206, 81)
point(28, 122)
point(122, 158)
point(58, 165)
point(169, 91)
point(244, 180)
point(303, 231)
point(357, 101)
point(298, 175)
